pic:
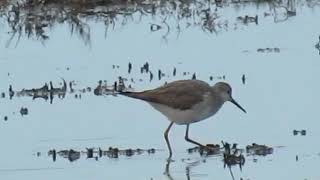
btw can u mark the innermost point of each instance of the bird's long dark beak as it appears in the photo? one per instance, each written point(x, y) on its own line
point(238, 105)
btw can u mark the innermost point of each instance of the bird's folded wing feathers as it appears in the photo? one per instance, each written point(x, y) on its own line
point(179, 94)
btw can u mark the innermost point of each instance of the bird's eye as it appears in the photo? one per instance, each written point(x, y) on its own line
point(229, 92)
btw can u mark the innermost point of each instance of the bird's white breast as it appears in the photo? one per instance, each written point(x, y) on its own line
point(198, 112)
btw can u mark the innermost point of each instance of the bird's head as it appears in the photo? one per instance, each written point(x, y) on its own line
point(225, 92)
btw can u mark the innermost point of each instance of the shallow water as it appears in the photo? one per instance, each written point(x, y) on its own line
point(280, 95)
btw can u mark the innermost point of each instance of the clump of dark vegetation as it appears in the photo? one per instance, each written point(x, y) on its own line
point(301, 132)
point(260, 150)
point(96, 153)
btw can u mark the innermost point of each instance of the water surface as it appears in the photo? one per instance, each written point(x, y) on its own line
point(280, 93)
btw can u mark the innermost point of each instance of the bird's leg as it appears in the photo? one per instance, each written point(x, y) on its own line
point(186, 137)
point(167, 140)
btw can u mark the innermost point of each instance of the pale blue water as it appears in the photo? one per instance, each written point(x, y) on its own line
point(281, 94)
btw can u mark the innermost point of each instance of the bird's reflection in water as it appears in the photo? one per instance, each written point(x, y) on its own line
point(189, 167)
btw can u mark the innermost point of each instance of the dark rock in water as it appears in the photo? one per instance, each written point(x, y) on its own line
point(303, 132)
point(5, 118)
point(174, 72)
point(3, 95)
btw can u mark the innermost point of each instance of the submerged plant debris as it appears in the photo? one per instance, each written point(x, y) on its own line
point(97, 153)
point(34, 18)
point(232, 150)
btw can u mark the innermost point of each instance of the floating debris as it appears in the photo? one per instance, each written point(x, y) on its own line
point(159, 74)
point(60, 92)
point(90, 153)
point(104, 89)
point(155, 27)
point(53, 153)
point(301, 132)
point(317, 46)
point(71, 87)
point(115, 66)
point(232, 156)
point(243, 78)
point(121, 86)
point(233, 159)
point(268, 50)
point(43, 92)
point(174, 72)
point(145, 68)
point(260, 150)
point(248, 19)
point(11, 92)
point(24, 111)
point(129, 67)
point(150, 151)
point(194, 76)
point(151, 76)
point(209, 149)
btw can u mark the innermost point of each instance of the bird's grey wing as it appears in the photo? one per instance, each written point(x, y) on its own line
point(179, 94)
